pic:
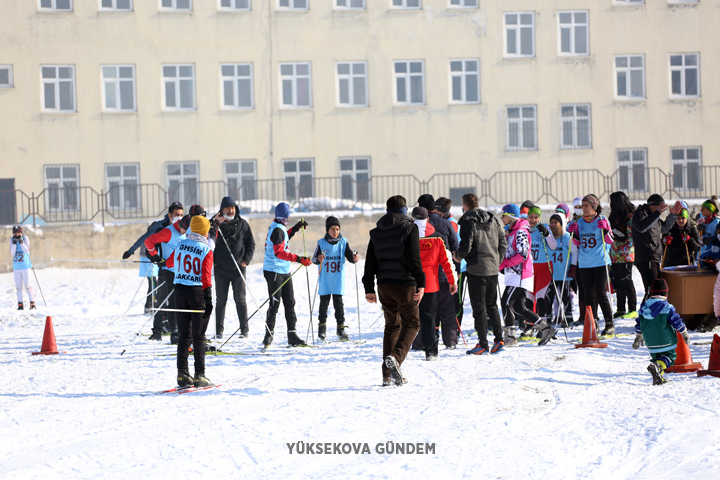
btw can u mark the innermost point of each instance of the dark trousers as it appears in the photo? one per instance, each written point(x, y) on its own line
point(446, 315)
point(649, 271)
point(191, 327)
point(168, 277)
point(286, 294)
point(222, 287)
point(152, 283)
point(462, 285)
point(428, 322)
point(483, 299)
point(337, 305)
point(564, 302)
point(593, 289)
point(624, 286)
point(513, 302)
point(402, 321)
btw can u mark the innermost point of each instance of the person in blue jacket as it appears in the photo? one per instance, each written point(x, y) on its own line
point(330, 254)
point(20, 251)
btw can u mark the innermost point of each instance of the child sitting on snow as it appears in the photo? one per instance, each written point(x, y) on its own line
point(656, 327)
point(331, 253)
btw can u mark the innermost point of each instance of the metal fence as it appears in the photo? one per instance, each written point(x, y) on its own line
point(121, 202)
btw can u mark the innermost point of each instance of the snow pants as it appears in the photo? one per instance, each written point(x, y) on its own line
point(446, 315)
point(286, 294)
point(624, 286)
point(152, 283)
point(191, 326)
point(22, 279)
point(513, 302)
point(563, 301)
point(428, 310)
point(462, 285)
point(222, 288)
point(593, 290)
point(337, 301)
point(169, 278)
point(402, 321)
point(483, 299)
point(649, 271)
point(668, 356)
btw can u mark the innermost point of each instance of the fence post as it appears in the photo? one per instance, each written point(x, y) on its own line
point(31, 206)
point(103, 202)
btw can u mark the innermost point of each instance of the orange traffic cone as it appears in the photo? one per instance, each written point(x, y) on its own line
point(714, 362)
point(49, 347)
point(684, 362)
point(590, 339)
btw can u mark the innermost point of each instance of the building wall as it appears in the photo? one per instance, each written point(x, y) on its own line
point(423, 140)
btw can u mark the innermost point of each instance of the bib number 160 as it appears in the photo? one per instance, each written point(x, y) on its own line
point(189, 263)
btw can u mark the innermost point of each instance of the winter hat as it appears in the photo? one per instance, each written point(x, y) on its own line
point(395, 203)
point(442, 204)
point(200, 225)
point(197, 210)
point(330, 221)
point(593, 200)
point(184, 222)
point(535, 210)
point(685, 205)
point(227, 202)
point(564, 208)
point(17, 229)
point(525, 208)
point(659, 288)
point(175, 206)
point(558, 217)
point(655, 200)
point(710, 205)
point(427, 201)
point(577, 202)
point(282, 210)
point(511, 210)
point(420, 213)
point(684, 213)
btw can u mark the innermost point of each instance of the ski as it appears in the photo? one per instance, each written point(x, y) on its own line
point(180, 390)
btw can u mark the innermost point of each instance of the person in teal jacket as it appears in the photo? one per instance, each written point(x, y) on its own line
point(656, 326)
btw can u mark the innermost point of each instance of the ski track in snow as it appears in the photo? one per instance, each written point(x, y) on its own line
point(529, 412)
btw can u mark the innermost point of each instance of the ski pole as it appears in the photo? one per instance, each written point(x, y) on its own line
point(263, 304)
point(561, 302)
point(357, 292)
point(94, 261)
point(39, 287)
point(307, 275)
point(378, 318)
point(145, 323)
point(687, 252)
point(312, 306)
point(128, 309)
point(607, 273)
point(176, 310)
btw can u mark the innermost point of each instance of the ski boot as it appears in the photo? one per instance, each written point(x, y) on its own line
point(431, 356)
point(631, 315)
point(184, 379)
point(656, 369)
point(322, 331)
point(268, 338)
point(510, 340)
point(545, 331)
point(619, 314)
point(244, 332)
point(199, 381)
point(476, 350)
point(394, 369)
point(527, 333)
point(147, 310)
point(156, 335)
point(294, 340)
point(609, 329)
point(497, 347)
point(32, 306)
point(341, 333)
point(20, 306)
point(174, 337)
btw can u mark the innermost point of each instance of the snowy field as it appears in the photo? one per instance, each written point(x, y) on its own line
point(529, 412)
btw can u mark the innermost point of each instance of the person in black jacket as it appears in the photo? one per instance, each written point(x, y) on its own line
point(393, 257)
point(647, 232)
point(683, 241)
point(234, 251)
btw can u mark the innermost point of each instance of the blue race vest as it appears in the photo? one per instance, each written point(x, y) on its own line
point(539, 246)
point(708, 235)
point(463, 263)
point(332, 269)
point(21, 260)
point(169, 247)
point(189, 256)
point(560, 257)
point(147, 268)
point(271, 263)
point(592, 246)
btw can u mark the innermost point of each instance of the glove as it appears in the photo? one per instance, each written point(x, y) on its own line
point(686, 238)
point(639, 341)
point(543, 230)
point(207, 295)
point(685, 336)
point(158, 260)
point(572, 271)
point(667, 240)
point(305, 261)
point(603, 224)
point(127, 255)
point(573, 227)
point(299, 225)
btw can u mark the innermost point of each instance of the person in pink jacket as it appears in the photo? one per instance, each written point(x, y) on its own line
point(517, 266)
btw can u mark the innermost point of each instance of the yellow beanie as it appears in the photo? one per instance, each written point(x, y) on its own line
point(200, 225)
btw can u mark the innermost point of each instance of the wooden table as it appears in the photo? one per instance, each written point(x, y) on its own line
point(691, 292)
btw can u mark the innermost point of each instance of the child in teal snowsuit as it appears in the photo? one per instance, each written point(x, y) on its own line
point(657, 325)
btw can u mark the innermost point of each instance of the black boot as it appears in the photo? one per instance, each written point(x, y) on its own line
point(294, 340)
point(546, 332)
point(609, 328)
point(32, 306)
point(156, 335)
point(20, 306)
point(341, 333)
point(322, 331)
point(184, 379)
point(200, 381)
point(174, 337)
point(244, 332)
point(268, 338)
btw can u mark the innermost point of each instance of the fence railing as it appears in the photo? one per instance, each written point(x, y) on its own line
point(142, 201)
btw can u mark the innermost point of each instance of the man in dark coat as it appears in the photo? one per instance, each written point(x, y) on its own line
point(393, 257)
point(235, 248)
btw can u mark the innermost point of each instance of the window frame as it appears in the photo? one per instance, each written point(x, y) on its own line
point(290, 7)
point(518, 35)
point(297, 178)
point(628, 3)
point(683, 75)
point(174, 8)
point(461, 5)
point(294, 83)
point(53, 8)
point(628, 84)
point(115, 8)
point(168, 178)
point(575, 118)
point(353, 175)
point(122, 188)
point(11, 76)
point(463, 74)
point(572, 26)
point(684, 163)
point(348, 6)
point(235, 78)
point(350, 77)
point(403, 5)
point(407, 75)
point(177, 80)
point(104, 82)
point(630, 166)
point(56, 92)
point(239, 192)
point(62, 199)
point(521, 128)
point(234, 9)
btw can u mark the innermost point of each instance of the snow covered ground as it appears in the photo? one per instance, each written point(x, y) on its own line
point(530, 412)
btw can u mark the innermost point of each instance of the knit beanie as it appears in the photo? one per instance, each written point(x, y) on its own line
point(227, 202)
point(659, 287)
point(710, 205)
point(535, 210)
point(17, 229)
point(684, 213)
point(420, 213)
point(282, 210)
point(197, 210)
point(564, 208)
point(200, 225)
point(593, 200)
point(330, 221)
point(427, 201)
point(525, 208)
point(511, 210)
point(442, 205)
point(184, 222)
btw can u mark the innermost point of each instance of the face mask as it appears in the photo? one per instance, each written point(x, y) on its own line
point(578, 211)
point(175, 220)
point(229, 217)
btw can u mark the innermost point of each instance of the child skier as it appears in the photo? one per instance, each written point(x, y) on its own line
point(541, 241)
point(711, 255)
point(708, 222)
point(656, 327)
point(193, 263)
point(682, 242)
point(564, 265)
point(20, 251)
point(331, 253)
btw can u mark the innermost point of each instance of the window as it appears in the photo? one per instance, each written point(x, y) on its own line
point(685, 75)
point(630, 77)
point(629, 2)
point(464, 3)
point(575, 126)
point(56, 6)
point(241, 177)
point(352, 84)
point(292, 4)
point(182, 182)
point(6, 76)
point(237, 86)
point(235, 5)
point(355, 178)
point(350, 4)
point(456, 194)
point(122, 181)
point(179, 83)
point(298, 174)
point(520, 34)
point(573, 33)
point(683, 1)
point(414, 4)
point(632, 169)
point(410, 83)
point(118, 88)
point(522, 127)
point(687, 168)
point(465, 81)
point(295, 85)
point(58, 83)
point(176, 5)
point(61, 182)
point(116, 5)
